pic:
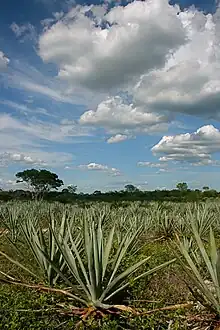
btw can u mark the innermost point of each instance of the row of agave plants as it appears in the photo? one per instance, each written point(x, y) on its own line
point(85, 249)
point(156, 220)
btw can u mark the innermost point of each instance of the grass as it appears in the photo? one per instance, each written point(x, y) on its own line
point(27, 309)
point(23, 309)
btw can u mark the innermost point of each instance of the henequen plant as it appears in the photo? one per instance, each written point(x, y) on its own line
point(203, 216)
point(10, 219)
point(43, 247)
point(95, 274)
point(96, 268)
point(206, 279)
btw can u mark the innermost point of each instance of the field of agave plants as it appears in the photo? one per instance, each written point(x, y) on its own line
point(109, 266)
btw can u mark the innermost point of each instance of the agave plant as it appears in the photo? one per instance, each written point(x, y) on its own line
point(165, 226)
point(42, 240)
point(96, 268)
point(203, 217)
point(206, 279)
point(11, 220)
point(43, 246)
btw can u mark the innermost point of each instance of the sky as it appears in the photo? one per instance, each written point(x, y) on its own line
point(111, 93)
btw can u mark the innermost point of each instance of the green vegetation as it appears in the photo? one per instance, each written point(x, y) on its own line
point(43, 184)
point(137, 265)
point(39, 181)
point(182, 186)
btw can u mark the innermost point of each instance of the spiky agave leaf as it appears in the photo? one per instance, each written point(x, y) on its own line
point(11, 219)
point(211, 261)
point(43, 246)
point(89, 269)
point(202, 216)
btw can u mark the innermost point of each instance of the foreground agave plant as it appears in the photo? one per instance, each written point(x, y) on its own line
point(96, 268)
point(92, 270)
point(206, 279)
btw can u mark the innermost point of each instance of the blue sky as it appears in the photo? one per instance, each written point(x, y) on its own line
point(110, 93)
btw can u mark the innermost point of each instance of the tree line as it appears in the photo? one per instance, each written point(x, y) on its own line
point(44, 185)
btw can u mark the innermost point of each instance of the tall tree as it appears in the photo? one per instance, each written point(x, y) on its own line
point(39, 181)
point(182, 186)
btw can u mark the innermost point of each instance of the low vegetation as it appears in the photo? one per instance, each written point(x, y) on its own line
point(144, 266)
point(45, 185)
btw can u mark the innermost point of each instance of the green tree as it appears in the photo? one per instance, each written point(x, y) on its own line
point(205, 188)
point(131, 188)
point(182, 186)
point(39, 181)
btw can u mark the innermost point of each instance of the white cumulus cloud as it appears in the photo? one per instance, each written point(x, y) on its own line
point(189, 82)
point(115, 47)
point(100, 167)
point(118, 138)
point(196, 148)
point(116, 116)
